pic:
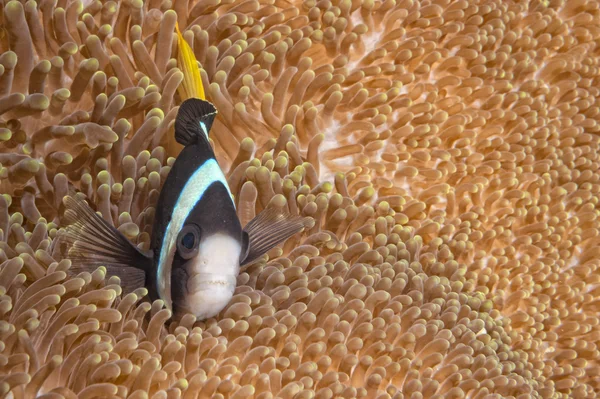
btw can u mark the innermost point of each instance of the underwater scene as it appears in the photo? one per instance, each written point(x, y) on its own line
point(303, 199)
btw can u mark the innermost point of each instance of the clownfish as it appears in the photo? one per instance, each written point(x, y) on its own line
point(198, 244)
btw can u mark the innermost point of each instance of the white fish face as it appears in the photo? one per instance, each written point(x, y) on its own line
point(192, 193)
point(212, 275)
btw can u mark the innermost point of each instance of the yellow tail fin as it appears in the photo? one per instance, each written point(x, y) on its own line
point(191, 87)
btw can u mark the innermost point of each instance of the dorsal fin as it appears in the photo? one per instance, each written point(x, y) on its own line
point(194, 120)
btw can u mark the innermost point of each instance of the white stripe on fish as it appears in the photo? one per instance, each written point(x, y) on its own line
point(203, 127)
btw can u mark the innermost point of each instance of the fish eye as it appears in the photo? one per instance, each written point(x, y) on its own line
point(188, 241)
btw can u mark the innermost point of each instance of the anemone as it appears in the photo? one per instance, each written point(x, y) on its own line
point(447, 152)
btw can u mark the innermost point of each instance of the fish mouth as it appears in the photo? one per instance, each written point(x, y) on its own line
point(210, 281)
point(216, 282)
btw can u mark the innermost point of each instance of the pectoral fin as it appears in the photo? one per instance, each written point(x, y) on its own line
point(89, 242)
point(269, 228)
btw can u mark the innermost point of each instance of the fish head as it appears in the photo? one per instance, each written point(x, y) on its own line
point(205, 269)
